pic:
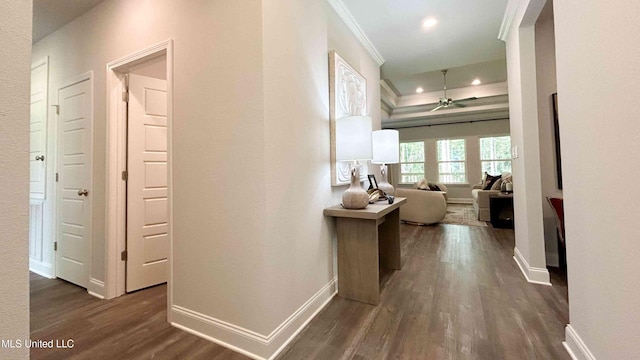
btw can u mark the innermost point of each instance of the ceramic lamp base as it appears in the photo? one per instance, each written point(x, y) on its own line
point(384, 183)
point(355, 197)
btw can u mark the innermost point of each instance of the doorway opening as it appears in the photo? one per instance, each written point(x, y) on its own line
point(139, 115)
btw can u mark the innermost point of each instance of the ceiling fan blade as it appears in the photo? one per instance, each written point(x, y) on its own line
point(437, 108)
point(467, 99)
point(455, 103)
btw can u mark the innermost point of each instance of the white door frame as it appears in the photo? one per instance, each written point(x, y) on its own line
point(116, 163)
point(95, 287)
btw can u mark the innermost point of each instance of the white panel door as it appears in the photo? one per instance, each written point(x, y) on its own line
point(74, 186)
point(147, 209)
point(38, 129)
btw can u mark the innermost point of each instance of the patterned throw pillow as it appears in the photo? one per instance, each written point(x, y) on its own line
point(434, 187)
point(489, 181)
point(496, 185)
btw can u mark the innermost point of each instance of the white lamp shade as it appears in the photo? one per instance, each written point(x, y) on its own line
point(386, 147)
point(353, 138)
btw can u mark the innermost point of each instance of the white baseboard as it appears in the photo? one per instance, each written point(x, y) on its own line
point(41, 268)
point(96, 288)
point(574, 345)
point(459, 201)
point(247, 342)
point(533, 275)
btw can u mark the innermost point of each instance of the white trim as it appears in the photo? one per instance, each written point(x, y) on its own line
point(96, 288)
point(507, 20)
point(116, 163)
point(250, 343)
point(41, 268)
point(533, 275)
point(343, 11)
point(574, 345)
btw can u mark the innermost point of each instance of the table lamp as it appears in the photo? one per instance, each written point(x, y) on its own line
point(353, 143)
point(386, 150)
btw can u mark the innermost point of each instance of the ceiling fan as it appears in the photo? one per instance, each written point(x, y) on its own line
point(445, 101)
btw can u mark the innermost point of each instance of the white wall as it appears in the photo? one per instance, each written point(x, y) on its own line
point(253, 255)
point(155, 68)
point(15, 75)
point(471, 132)
point(297, 38)
point(529, 251)
point(598, 68)
point(546, 84)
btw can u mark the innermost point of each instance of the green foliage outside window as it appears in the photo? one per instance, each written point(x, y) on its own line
point(452, 155)
point(495, 154)
point(411, 161)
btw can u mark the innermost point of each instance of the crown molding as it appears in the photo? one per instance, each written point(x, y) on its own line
point(507, 20)
point(387, 94)
point(344, 13)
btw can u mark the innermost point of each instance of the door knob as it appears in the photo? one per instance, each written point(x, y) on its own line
point(40, 157)
point(82, 192)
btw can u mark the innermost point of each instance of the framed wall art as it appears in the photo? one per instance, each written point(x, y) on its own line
point(347, 97)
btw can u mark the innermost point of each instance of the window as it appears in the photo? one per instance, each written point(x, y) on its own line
point(451, 161)
point(411, 161)
point(495, 154)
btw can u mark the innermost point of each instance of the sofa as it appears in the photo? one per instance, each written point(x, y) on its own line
point(423, 206)
point(481, 196)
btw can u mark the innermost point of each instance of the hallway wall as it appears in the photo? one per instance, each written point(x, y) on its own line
point(253, 255)
point(598, 67)
point(15, 75)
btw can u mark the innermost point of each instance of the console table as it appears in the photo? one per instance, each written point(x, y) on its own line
point(367, 239)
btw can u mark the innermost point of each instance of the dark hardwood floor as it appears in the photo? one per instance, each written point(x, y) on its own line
point(460, 295)
point(133, 326)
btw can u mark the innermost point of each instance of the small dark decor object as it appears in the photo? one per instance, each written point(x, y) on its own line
point(372, 182)
point(391, 199)
point(490, 180)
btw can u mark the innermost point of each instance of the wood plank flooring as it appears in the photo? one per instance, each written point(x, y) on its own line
point(133, 326)
point(460, 295)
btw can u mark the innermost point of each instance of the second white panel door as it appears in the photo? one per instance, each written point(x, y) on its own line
point(147, 207)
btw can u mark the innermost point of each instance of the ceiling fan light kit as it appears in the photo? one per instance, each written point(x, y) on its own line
point(445, 101)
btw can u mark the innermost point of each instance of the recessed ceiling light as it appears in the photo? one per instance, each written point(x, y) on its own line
point(419, 90)
point(430, 22)
point(476, 82)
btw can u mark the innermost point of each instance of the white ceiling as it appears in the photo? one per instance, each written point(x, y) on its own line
point(50, 15)
point(465, 38)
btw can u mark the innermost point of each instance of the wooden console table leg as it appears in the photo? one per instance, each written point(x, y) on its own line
point(389, 241)
point(358, 273)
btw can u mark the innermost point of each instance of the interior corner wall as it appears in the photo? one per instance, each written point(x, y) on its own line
point(529, 251)
point(546, 84)
point(598, 69)
point(15, 75)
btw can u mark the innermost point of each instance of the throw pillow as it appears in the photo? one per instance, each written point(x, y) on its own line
point(496, 185)
point(434, 187)
point(489, 181)
point(422, 185)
